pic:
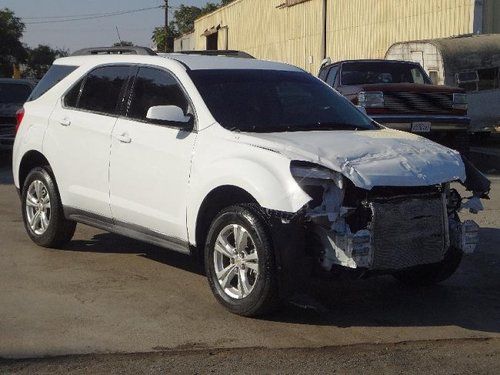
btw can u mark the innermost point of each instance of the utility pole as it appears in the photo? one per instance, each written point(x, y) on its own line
point(166, 25)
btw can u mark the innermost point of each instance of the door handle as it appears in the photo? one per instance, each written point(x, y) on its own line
point(124, 138)
point(65, 122)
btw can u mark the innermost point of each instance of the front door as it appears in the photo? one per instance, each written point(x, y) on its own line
point(150, 162)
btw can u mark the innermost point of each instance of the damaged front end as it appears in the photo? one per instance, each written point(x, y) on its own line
point(385, 229)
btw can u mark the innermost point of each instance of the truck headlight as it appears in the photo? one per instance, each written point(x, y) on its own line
point(371, 99)
point(460, 101)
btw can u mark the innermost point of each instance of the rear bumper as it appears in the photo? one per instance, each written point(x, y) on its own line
point(438, 122)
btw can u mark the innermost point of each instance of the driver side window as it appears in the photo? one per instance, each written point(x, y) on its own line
point(155, 87)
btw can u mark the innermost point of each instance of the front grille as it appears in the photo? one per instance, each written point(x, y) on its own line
point(408, 232)
point(418, 102)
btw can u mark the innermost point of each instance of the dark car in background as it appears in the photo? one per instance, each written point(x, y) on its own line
point(400, 95)
point(13, 94)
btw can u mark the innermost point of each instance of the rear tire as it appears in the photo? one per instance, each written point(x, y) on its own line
point(242, 274)
point(431, 274)
point(42, 211)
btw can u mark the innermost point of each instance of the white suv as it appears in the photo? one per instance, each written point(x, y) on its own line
point(263, 169)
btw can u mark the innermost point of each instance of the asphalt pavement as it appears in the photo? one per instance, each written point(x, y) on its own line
point(104, 293)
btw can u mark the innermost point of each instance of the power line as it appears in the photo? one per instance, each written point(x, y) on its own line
point(93, 16)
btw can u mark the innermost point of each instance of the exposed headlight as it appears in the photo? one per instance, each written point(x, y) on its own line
point(305, 174)
point(460, 101)
point(371, 99)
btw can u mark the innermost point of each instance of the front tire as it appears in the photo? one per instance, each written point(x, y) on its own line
point(239, 262)
point(431, 274)
point(42, 211)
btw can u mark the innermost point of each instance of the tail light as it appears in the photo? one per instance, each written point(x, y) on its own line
point(19, 118)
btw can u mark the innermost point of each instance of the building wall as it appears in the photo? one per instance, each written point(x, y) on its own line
point(355, 28)
point(185, 43)
point(290, 34)
point(491, 16)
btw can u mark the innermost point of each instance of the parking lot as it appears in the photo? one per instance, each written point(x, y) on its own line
point(107, 294)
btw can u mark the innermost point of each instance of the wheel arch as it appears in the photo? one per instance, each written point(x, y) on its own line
point(214, 202)
point(30, 160)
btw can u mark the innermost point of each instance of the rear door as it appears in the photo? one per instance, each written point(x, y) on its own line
point(150, 161)
point(78, 138)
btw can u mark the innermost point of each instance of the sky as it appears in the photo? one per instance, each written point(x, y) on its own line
point(136, 27)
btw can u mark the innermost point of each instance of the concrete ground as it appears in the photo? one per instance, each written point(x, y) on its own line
point(107, 294)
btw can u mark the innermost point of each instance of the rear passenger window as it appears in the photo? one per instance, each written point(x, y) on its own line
point(155, 87)
point(71, 98)
point(103, 88)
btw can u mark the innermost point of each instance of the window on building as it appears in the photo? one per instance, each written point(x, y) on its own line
point(103, 88)
point(478, 80)
point(488, 79)
point(434, 76)
point(154, 87)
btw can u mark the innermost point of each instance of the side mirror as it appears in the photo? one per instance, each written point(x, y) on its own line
point(169, 115)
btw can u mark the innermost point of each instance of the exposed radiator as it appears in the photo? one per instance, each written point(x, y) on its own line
point(408, 232)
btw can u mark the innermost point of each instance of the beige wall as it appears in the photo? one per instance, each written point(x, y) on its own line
point(356, 28)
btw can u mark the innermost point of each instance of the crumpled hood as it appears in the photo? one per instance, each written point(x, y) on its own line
point(369, 158)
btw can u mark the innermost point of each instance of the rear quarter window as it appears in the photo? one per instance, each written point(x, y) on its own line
point(55, 75)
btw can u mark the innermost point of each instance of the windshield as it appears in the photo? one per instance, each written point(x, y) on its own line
point(359, 73)
point(275, 101)
point(14, 93)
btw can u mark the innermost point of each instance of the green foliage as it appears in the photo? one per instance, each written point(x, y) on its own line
point(183, 22)
point(11, 49)
point(40, 59)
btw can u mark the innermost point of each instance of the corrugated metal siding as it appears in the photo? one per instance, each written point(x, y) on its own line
point(356, 28)
point(291, 34)
point(366, 28)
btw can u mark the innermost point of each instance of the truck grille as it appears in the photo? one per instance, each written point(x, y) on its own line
point(416, 102)
point(408, 232)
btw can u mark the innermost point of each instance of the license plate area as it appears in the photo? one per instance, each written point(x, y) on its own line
point(421, 127)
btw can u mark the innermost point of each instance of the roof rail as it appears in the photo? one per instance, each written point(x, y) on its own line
point(229, 53)
point(114, 51)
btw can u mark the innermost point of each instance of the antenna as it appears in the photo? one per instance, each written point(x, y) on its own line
point(118, 33)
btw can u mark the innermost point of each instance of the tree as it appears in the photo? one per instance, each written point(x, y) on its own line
point(12, 51)
point(123, 43)
point(183, 22)
point(159, 37)
point(40, 59)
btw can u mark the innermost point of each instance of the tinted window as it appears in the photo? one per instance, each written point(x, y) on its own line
point(332, 75)
point(71, 98)
point(359, 73)
point(102, 89)
point(14, 93)
point(274, 101)
point(55, 75)
point(155, 87)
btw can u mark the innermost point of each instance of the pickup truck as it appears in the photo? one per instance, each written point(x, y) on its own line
point(400, 95)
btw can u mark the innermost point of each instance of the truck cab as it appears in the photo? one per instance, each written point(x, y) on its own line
point(400, 95)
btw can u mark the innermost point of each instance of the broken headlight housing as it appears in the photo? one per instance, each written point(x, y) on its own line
point(315, 180)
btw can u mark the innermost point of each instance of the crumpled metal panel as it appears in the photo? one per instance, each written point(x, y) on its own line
point(408, 232)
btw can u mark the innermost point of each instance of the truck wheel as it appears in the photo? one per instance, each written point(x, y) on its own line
point(430, 274)
point(239, 262)
point(42, 211)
